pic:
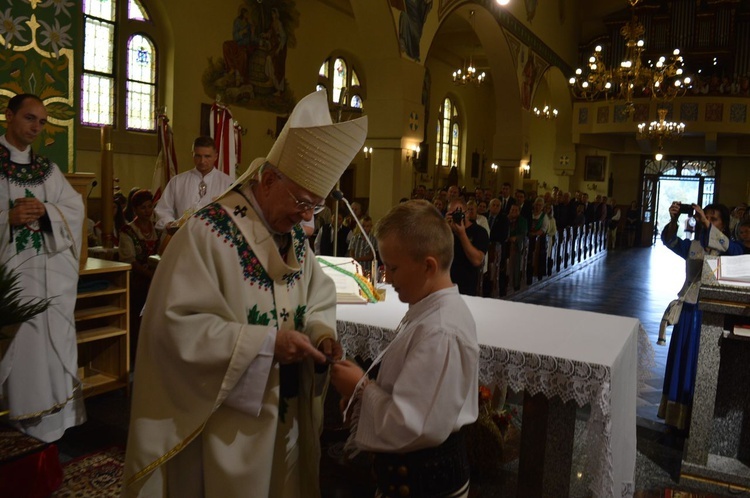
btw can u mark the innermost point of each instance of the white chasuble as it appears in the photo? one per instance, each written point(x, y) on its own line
point(220, 287)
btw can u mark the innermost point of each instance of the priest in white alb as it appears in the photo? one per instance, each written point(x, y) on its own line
point(41, 225)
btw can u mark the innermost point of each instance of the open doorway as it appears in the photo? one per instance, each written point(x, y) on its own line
point(684, 179)
point(685, 190)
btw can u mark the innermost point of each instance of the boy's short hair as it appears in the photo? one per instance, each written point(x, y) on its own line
point(421, 228)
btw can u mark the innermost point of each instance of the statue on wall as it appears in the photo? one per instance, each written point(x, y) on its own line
point(252, 71)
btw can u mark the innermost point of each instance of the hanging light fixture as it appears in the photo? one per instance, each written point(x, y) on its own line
point(468, 73)
point(662, 81)
point(660, 131)
point(545, 113)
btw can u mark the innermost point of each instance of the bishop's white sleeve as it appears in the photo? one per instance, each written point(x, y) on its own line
point(247, 394)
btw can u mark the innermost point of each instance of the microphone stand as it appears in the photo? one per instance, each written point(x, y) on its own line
point(338, 195)
point(335, 228)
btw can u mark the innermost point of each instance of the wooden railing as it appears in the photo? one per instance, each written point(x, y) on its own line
point(515, 267)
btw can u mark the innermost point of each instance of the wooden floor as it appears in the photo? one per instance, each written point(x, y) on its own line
point(636, 282)
point(639, 283)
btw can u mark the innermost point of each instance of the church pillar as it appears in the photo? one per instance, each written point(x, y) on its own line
point(391, 175)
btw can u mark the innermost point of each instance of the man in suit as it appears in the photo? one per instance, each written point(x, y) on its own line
point(499, 230)
point(506, 201)
point(524, 205)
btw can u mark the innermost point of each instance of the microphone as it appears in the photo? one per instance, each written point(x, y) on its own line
point(93, 184)
point(339, 196)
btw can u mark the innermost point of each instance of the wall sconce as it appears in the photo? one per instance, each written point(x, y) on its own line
point(367, 150)
point(413, 154)
point(494, 167)
point(592, 186)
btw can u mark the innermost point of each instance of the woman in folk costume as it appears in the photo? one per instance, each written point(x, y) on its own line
point(41, 224)
point(682, 360)
point(225, 398)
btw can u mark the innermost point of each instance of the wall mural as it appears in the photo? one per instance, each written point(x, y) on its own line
point(410, 24)
point(251, 72)
point(36, 56)
point(529, 68)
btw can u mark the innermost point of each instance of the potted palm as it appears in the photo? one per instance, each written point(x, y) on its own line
point(14, 308)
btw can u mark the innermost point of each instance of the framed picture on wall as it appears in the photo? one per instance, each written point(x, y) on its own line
point(595, 166)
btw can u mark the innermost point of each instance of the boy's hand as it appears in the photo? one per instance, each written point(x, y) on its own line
point(332, 349)
point(344, 377)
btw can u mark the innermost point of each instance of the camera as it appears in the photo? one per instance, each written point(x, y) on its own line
point(686, 208)
point(458, 216)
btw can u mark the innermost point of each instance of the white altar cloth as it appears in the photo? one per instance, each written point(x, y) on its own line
point(587, 357)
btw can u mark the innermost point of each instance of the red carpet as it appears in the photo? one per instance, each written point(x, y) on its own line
point(676, 493)
point(98, 475)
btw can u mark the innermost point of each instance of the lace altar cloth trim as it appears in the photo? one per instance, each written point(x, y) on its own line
point(581, 382)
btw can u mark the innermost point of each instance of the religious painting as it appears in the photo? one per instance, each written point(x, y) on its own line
point(594, 168)
point(36, 56)
point(251, 72)
point(529, 68)
point(411, 19)
point(714, 112)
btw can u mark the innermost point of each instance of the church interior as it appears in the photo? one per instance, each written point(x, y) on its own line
point(471, 93)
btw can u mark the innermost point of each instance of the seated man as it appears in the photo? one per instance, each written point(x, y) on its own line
point(191, 190)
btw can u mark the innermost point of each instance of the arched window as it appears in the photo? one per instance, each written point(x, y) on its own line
point(109, 24)
point(335, 75)
point(448, 135)
point(141, 84)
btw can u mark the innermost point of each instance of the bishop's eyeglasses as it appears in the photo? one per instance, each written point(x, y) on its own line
point(304, 206)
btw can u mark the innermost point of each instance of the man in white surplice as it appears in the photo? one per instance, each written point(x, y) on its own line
point(191, 190)
point(225, 398)
point(41, 224)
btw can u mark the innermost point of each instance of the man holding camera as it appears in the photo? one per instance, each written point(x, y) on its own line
point(470, 243)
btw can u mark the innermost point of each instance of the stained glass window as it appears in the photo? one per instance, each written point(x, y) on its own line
point(106, 21)
point(97, 85)
point(136, 11)
point(448, 135)
point(141, 84)
point(339, 78)
point(335, 75)
point(103, 9)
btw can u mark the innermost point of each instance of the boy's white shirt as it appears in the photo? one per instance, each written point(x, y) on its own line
point(427, 386)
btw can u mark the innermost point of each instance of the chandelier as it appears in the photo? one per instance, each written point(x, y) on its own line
point(662, 81)
point(468, 73)
point(660, 130)
point(545, 113)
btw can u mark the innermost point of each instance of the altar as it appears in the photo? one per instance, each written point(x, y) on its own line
point(566, 355)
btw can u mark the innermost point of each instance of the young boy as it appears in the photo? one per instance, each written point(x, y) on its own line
point(426, 388)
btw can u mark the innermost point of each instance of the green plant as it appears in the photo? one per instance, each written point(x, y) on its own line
point(13, 308)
